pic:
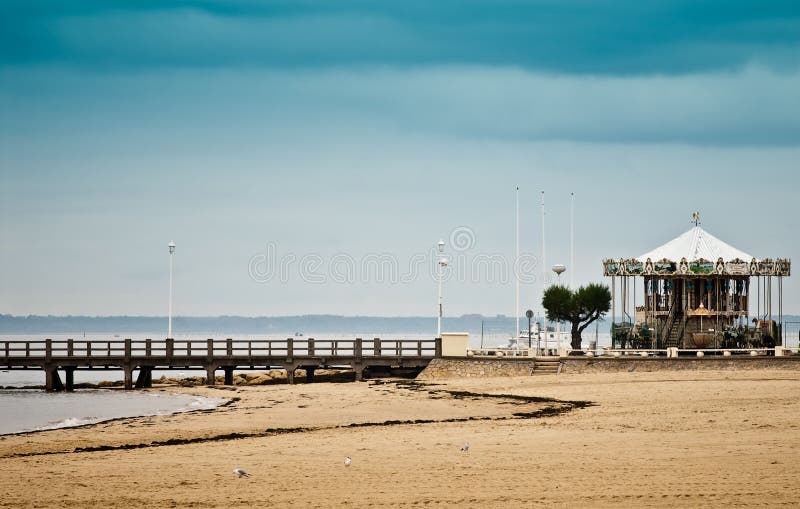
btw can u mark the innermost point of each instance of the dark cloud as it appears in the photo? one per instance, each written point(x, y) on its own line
point(753, 107)
point(572, 36)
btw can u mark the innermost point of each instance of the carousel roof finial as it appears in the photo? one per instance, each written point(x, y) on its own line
point(696, 218)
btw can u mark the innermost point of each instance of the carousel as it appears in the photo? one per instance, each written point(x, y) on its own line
point(698, 292)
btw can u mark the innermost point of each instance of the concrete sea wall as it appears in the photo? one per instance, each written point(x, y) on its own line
point(631, 364)
point(470, 367)
point(452, 367)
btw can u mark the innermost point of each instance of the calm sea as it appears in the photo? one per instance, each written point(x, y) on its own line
point(31, 410)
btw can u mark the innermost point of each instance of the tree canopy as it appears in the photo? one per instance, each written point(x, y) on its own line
point(580, 308)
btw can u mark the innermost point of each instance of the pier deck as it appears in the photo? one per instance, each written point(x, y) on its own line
point(211, 355)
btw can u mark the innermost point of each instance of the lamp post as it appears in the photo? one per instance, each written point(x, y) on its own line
point(529, 314)
point(442, 264)
point(171, 246)
point(559, 269)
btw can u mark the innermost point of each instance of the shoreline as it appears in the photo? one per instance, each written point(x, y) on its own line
point(548, 407)
point(166, 390)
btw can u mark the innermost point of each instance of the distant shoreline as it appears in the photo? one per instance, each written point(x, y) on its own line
point(279, 325)
point(320, 323)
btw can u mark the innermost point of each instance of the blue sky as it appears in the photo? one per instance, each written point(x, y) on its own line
point(354, 130)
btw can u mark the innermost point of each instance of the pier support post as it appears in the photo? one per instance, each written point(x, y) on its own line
point(228, 376)
point(69, 379)
point(128, 370)
point(211, 378)
point(145, 378)
point(52, 381)
point(290, 374)
point(359, 371)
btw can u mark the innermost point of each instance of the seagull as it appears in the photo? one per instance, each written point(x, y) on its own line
point(241, 473)
point(465, 447)
point(347, 461)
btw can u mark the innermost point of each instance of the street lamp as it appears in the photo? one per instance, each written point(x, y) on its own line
point(559, 269)
point(171, 246)
point(442, 264)
point(529, 314)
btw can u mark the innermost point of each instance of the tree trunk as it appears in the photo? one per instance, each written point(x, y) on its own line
point(576, 336)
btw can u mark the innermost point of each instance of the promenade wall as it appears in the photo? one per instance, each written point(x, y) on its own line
point(466, 367)
point(470, 367)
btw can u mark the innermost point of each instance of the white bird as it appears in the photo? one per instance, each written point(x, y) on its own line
point(347, 461)
point(241, 473)
point(465, 447)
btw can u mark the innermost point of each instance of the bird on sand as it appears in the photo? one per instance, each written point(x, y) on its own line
point(347, 461)
point(465, 447)
point(241, 473)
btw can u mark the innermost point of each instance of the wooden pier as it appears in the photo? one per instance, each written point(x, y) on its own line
point(211, 355)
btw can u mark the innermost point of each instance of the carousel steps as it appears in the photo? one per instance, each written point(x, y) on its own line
point(673, 339)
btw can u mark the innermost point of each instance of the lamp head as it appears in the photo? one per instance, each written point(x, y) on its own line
point(441, 246)
point(171, 246)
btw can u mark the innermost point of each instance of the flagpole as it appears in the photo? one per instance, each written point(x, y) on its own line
point(516, 263)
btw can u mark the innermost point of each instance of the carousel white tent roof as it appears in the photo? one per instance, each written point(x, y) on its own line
point(694, 245)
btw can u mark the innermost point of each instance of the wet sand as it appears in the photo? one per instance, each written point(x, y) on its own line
point(662, 439)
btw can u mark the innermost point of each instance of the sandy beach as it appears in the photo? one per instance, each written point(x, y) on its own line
point(662, 439)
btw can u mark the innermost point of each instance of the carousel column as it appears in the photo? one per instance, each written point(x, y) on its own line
point(622, 302)
point(632, 283)
point(717, 307)
point(624, 297)
point(780, 311)
point(684, 297)
point(746, 303)
point(758, 297)
point(613, 307)
point(769, 285)
point(613, 299)
point(627, 296)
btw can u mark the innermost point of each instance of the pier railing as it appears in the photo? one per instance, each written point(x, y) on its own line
point(145, 355)
point(219, 349)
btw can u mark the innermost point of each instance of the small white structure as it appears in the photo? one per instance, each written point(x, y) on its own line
point(455, 344)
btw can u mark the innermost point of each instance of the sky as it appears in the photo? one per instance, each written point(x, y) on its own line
point(306, 156)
